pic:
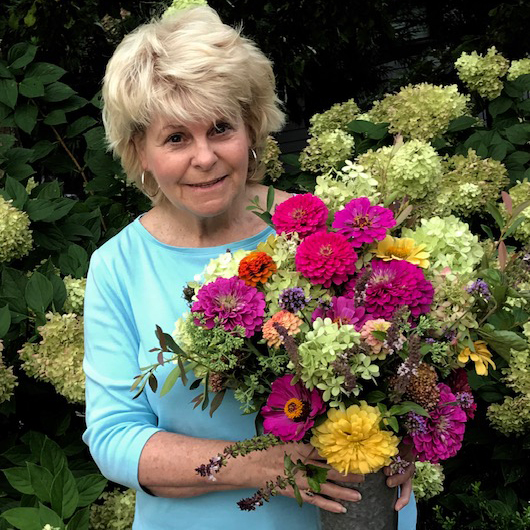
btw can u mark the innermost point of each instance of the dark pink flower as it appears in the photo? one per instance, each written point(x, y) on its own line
point(229, 302)
point(291, 409)
point(361, 222)
point(393, 284)
point(343, 311)
point(459, 384)
point(325, 258)
point(440, 436)
point(304, 214)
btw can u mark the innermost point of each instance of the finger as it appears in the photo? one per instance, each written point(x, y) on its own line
point(404, 496)
point(350, 477)
point(340, 492)
point(400, 478)
point(321, 502)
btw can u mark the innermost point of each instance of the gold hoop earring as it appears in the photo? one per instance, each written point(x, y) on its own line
point(144, 189)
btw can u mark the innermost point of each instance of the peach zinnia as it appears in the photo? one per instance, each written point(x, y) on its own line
point(285, 319)
point(256, 268)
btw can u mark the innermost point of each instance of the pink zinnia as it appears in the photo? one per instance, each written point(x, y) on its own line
point(304, 214)
point(362, 223)
point(229, 302)
point(393, 284)
point(440, 436)
point(325, 258)
point(342, 311)
point(291, 409)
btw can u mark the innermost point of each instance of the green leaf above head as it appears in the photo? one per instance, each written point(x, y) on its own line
point(57, 91)
point(80, 125)
point(31, 87)
point(46, 73)
point(5, 73)
point(21, 55)
point(55, 117)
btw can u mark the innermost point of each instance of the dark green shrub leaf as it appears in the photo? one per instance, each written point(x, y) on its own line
point(73, 103)
point(5, 320)
point(503, 341)
point(26, 117)
point(75, 232)
point(5, 73)
point(49, 190)
point(41, 480)
point(59, 292)
point(74, 261)
point(517, 159)
point(90, 488)
point(19, 171)
point(39, 209)
point(461, 123)
point(8, 92)
point(523, 83)
point(45, 72)
point(19, 455)
point(51, 239)
point(31, 87)
point(61, 207)
point(80, 520)
point(80, 125)
point(48, 516)
point(57, 91)
point(512, 472)
point(6, 142)
point(23, 518)
point(39, 293)
point(41, 149)
point(499, 105)
point(518, 134)
point(55, 117)
point(52, 456)
point(95, 139)
point(21, 54)
point(18, 478)
point(16, 192)
point(64, 494)
point(496, 214)
point(499, 151)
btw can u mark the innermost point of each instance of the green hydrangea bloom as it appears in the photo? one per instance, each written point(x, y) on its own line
point(512, 416)
point(326, 151)
point(271, 159)
point(224, 266)
point(321, 347)
point(58, 357)
point(30, 185)
point(518, 68)
point(482, 73)
point(8, 380)
point(282, 249)
point(15, 236)
point(116, 512)
point(180, 5)
point(421, 111)
point(336, 188)
point(413, 169)
point(75, 295)
point(519, 194)
point(428, 480)
point(468, 183)
point(337, 117)
point(450, 243)
point(517, 374)
point(526, 331)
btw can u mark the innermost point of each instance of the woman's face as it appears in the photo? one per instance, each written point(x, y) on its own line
point(200, 167)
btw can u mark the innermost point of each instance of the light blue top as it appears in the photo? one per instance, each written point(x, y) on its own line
point(134, 283)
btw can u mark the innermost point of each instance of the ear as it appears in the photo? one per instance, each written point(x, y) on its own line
point(138, 141)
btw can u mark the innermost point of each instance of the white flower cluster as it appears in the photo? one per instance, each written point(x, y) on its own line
point(482, 73)
point(225, 266)
point(8, 380)
point(15, 236)
point(337, 117)
point(180, 5)
point(326, 151)
point(519, 194)
point(518, 68)
point(75, 295)
point(271, 159)
point(428, 480)
point(116, 512)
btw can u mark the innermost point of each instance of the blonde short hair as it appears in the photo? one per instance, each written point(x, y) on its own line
point(188, 67)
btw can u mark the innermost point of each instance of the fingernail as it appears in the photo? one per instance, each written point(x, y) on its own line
point(343, 509)
point(355, 496)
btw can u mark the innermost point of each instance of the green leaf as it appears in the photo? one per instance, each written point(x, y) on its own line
point(52, 457)
point(45, 72)
point(512, 472)
point(95, 138)
point(496, 214)
point(216, 401)
point(39, 293)
point(73, 103)
point(514, 226)
point(170, 381)
point(39, 209)
point(499, 151)
point(8, 92)
point(393, 423)
point(41, 149)
point(518, 134)
point(6, 142)
point(41, 481)
point(80, 520)
point(80, 125)
point(375, 396)
point(270, 198)
point(487, 231)
point(499, 105)
point(407, 406)
point(16, 192)
point(90, 488)
point(31, 87)
point(461, 123)
point(55, 117)
point(18, 478)
point(21, 55)
point(49, 190)
point(18, 455)
point(26, 117)
point(64, 494)
point(502, 341)
point(182, 371)
point(523, 206)
point(4, 71)
point(48, 516)
point(57, 91)
point(74, 261)
point(23, 518)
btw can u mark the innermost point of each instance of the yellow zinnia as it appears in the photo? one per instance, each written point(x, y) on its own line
point(403, 248)
point(351, 440)
point(481, 357)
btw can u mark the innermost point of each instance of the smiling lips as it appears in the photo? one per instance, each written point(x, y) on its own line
point(207, 184)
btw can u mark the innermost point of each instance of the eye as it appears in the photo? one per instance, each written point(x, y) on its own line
point(221, 127)
point(174, 138)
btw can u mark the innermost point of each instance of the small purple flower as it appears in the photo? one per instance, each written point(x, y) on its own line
point(361, 222)
point(430, 340)
point(399, 465)
point(415, 423)
point(480, 288)
point(293, 299)
point(343, 311)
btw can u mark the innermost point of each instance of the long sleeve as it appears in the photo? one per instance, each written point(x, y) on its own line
point(117, 426)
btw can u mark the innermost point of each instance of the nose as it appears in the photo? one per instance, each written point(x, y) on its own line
point(204, 155)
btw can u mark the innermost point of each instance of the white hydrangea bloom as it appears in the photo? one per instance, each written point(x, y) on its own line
point(518, 68)
point(15, 236)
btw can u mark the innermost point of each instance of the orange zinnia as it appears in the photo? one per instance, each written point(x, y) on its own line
point(256, 268)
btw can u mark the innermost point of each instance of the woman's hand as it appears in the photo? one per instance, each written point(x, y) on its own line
point(401, 479)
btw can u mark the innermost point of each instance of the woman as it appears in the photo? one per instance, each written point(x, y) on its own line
point(188, 104)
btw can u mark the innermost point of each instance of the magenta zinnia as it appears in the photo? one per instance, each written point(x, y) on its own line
point(291, 409)
point(361, 222)
point(325, 258)
point(229, 302)
point(304, 214)
point(393, 284)
point(342, 311)
point(440, 436)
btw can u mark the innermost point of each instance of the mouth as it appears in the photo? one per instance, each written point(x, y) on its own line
point(208, 184)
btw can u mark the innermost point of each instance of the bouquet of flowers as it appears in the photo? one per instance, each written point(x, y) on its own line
point(337, 331)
